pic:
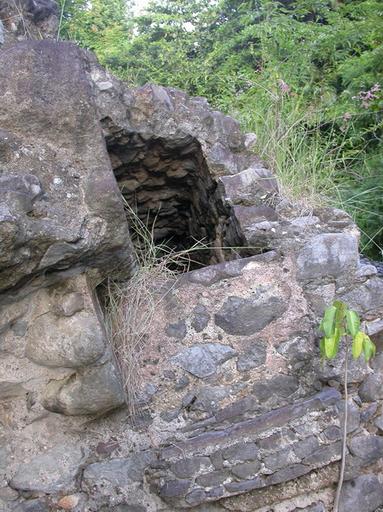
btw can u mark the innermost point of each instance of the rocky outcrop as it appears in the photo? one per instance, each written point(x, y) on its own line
point(62, 231)
point(233, 409)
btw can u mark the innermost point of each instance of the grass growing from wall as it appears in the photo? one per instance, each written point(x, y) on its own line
point(315, 168)
point(131, 306)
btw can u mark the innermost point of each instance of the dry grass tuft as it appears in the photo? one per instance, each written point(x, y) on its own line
point(131, 306)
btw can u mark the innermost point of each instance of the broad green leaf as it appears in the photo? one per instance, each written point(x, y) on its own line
point(353, 323)
point(369, 348)
point(328, 322)
point(331, 346)
point(357, 344)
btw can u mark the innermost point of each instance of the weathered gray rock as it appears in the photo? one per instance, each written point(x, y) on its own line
point(271, 419)
point(28, 20)
point(285, 474)
point(379, 422)
point(76, 341)
point(34, 505)
point(50, 472)
point(306, 447)
point(186, 468)
point(253, 357)
point(168, 152)
point(353, 420)
point(175, 488)
point(247, 315)
point(363, 494)
point(372, 388)
point(38, 231)
point(90, 391)
point(324, 455)
point(201, 318)
point(244, 486)
point(4, 461)
point(328, 255)
point(241, 452)
point(70, 303)
point(249, 186)
point(213, 478)
point(281, 459)
point(208, 398)
point(118, 472)
point(280, 386)
point(176, 330)
point(203, 360)
point(246, 470)
point(365, 297)
point(367, 448)
point(196, 497)
point(124, 508)
point(8, 494)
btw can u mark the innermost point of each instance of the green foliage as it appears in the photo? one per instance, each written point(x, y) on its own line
point(101, 26)
point(305, 75)
point(339, 321)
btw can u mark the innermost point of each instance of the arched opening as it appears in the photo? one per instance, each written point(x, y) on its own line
point(169, 186)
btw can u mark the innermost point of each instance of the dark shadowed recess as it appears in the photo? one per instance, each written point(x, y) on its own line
point(168, 184)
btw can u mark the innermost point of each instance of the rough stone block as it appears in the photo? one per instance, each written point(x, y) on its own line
point(305, 447)
point(289, 473)
point(247, 315)
point(281, 386)
point(91, 391)
point(324, 455)
point(328, 255)
point(367, 448)
point(365, 297)
point(175, 488)
point(213, 479)
point(246, 470)
point(50, 472)
point(253, 357)
point(363, 494)
point(244, 485)
point(241, 452)
point(203, 360)
point(201, 318)
point(186, 468)
point(281, 459)
point(372, 388)
point(118, 472)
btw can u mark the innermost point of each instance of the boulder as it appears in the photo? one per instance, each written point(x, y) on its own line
point(50, 472)
point(38, 231)
point(363, 494)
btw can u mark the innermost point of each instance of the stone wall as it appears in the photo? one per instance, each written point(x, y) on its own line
point(233, 409)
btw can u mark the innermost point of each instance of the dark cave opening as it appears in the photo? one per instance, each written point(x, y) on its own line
point(169, 187)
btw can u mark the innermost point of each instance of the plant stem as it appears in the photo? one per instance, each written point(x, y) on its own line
point(61, 19)
point(344, 434)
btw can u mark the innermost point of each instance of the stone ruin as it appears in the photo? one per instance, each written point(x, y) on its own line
point(234, 410)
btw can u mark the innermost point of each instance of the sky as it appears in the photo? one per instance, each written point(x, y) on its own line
point(140, 5)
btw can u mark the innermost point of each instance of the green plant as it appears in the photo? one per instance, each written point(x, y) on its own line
point(341, 323)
